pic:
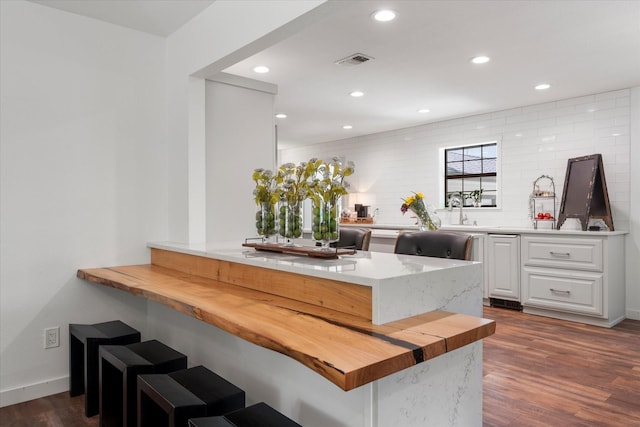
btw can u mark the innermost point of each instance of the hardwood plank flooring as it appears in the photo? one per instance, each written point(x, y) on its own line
point(537, 372)
point(547, 372)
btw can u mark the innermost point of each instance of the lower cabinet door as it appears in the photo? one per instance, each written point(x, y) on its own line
point(563, 290)
point(503, 266)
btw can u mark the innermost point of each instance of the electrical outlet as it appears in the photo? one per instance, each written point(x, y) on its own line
point(52, 337)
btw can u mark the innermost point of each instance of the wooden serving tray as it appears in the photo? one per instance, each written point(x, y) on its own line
point(310, 251)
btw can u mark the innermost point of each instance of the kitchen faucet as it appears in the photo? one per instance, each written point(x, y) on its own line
point(457, 199)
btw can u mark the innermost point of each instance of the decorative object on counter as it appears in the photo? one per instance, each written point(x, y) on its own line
point(543, 198)
point(266, 195)
point(326, 187)
point(292, 181)
point(310, 251)
point(349, 220)
point(585, 195)
point(427, 218)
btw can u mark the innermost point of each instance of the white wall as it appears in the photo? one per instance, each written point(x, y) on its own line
point(240, 137)
point(535, 140)
point(83, 180)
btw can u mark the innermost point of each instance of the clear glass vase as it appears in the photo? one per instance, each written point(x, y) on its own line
point(266, 221)
point(429, 220)
point(326, 221)
point(290, 217)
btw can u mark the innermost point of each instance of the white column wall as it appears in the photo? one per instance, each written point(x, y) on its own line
point(240, 138)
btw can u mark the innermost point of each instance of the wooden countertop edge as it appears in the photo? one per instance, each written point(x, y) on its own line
point(347, 350)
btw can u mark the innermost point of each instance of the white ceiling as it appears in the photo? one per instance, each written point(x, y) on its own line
point(159, 17)
point(422, 58)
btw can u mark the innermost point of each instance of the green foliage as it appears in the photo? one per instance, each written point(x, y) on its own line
point(266, 190)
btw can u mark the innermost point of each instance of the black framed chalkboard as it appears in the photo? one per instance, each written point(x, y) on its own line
point(585, 192)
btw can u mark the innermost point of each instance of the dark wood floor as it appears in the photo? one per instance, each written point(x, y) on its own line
point(537, 372)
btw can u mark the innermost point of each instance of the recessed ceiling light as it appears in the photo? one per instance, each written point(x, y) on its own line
point(480, 59)
point(543, 86)
point(384, 15)
point(615, 134)
point(347, 127)
point(281, 116)
point(261, 69)
point(423, 110)
point(356, 94)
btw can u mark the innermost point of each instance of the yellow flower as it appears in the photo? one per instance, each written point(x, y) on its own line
point(410, 200)
point(419, 195)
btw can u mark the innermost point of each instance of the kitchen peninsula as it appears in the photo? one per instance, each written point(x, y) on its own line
point(397, 335)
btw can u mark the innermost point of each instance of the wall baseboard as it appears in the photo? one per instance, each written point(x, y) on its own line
point(33, 391)
point(633, 314)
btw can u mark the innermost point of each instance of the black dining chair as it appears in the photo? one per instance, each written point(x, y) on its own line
point(439, 244)
point(353, 238)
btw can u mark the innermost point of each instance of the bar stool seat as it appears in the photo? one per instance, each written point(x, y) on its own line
point(119, 368)
point(172, 399)
point(259, 414)
point(84, 343)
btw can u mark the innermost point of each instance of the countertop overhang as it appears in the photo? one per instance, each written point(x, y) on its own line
point(320, 322)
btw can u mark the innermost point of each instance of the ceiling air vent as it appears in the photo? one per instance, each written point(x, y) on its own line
point(355, 59)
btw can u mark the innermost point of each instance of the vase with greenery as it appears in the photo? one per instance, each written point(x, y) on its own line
point(266, 195)
point(326, 187)
point(293, 187)
point(426, 220)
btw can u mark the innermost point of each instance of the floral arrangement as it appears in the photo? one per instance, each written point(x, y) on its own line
point(327, 184)
point(322, 182)
point(327, 178)
point(266, 195)
point(416, 205)
point(292, 182)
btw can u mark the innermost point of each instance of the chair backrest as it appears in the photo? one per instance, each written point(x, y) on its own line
point(356, 238)
point(440, 244)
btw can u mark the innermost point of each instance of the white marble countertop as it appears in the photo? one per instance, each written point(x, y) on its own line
point(364, 268)
point(391, 230)
point(401, 285)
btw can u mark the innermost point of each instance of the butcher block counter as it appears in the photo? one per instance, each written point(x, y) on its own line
point(358, 321)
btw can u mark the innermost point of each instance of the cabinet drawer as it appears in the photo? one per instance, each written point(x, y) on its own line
point(575, 254)
point(573, 291)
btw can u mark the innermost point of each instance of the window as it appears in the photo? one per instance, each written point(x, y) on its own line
point(469, 170)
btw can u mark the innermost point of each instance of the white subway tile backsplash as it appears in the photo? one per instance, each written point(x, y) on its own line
point(533, 140)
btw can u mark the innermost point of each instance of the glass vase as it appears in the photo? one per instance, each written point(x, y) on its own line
point(290, 216)
point(430, 221)
point(326, 221)
point(266, 221)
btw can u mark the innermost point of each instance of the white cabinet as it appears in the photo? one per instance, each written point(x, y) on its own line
point(574, 278)
point(503, 266)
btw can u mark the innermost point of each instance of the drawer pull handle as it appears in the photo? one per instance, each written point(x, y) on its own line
point(559, 291)
point(567, 254)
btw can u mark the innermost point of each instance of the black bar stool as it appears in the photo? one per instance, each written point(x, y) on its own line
point(172, 399)
point(84, 342)
point(119, 368)
point(259, 414)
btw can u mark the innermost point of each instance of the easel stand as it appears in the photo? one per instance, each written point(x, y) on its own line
point(585, 193)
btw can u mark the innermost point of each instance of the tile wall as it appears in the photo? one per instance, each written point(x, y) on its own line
point(533, 140)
